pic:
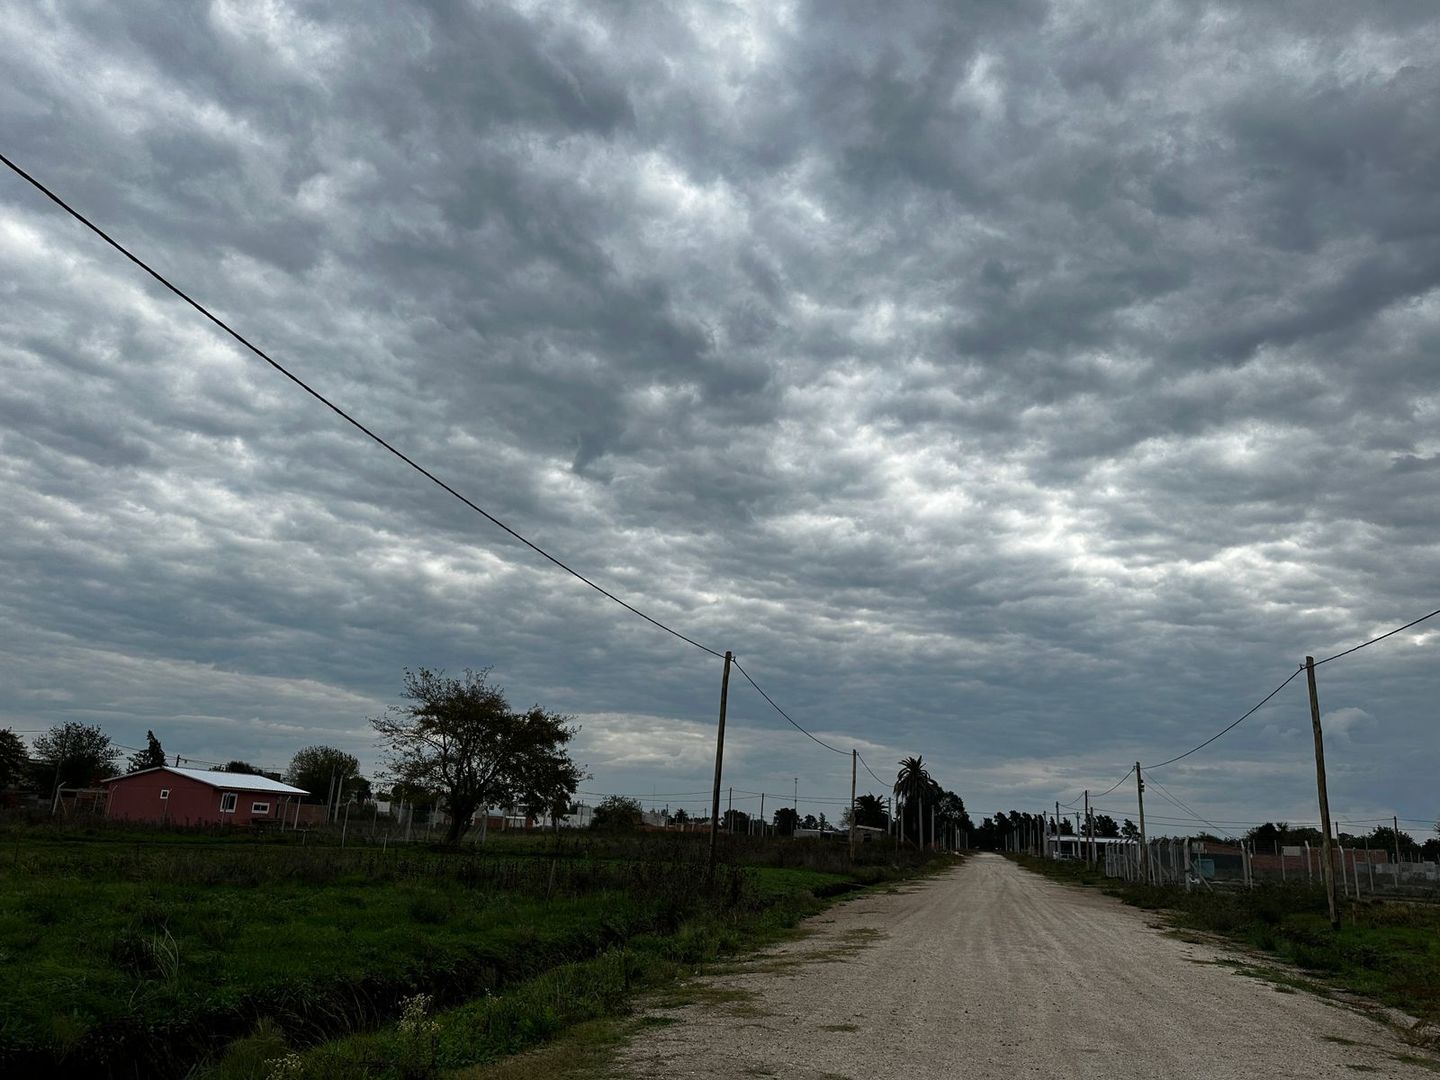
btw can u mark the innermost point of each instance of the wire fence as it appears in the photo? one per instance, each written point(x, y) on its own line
point(1360, 873)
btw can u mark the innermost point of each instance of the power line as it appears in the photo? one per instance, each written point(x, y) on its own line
point(337, 409)
point(1107, 791)
point(867, 767)
point(646, 795)
point(1382, 637)
point(1230, 727)
point(1186, 810)
point(783, 713)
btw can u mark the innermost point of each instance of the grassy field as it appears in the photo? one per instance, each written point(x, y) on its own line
point(149, 955)
point(1387, 951)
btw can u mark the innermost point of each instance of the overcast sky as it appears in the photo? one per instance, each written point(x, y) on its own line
point(1027, 385)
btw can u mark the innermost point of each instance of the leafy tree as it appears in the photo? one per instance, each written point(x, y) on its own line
point(736, 821)
point(870, 811)
point(680, 817)
point(246, 769)
point(617, 813)
point(1066, 829)
point(1105, 827)
point(548, 785)
point(950, 813)
point(810, 822)
point(76, 754)
point(461, 739)
point(786, 820)
point(1384, 837)
point(14, 760)
point(315, 768)
point(1129, 830)
point(152, 757)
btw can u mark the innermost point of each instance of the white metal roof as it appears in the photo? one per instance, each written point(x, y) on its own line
point(229, 781)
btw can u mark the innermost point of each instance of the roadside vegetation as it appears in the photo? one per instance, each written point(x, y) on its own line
point(1386, 950)
point(140, 953)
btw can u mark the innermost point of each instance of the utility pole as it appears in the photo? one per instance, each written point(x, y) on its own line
point(762, 813)
point(1396, 822)
point(1090, 829)
point(1329, 870)
point(719, 759)
point(890, 802)
point(853, 755)
point(1144, 840)
point(1057, 828)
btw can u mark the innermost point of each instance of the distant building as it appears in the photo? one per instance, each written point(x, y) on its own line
point(175, 796)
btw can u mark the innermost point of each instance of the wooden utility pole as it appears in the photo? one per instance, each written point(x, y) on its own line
point(1057, 829)
point(1327, 868)
point(1396, 822)
point(853, 755)
point(762, 813)
point(719, 759)
point(1090, 829)
point(1144, 840)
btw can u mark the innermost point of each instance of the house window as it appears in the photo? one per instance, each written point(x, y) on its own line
point(227, 802)
point(259, 808)
point(164, 793)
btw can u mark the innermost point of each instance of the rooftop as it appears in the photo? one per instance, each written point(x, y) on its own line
point(230, 781)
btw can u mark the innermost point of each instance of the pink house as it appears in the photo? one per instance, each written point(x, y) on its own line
point(171, 795)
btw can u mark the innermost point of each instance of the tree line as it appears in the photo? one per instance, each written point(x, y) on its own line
point(456, 745)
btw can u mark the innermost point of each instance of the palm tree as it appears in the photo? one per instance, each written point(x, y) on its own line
point(916, 792)
point(870, 810)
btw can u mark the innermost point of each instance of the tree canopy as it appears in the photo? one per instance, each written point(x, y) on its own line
point(13, 760)
point(917, 794)
point(461, 739)
point(870, 811)
point(152, 757)
point(617, 813)
point(315, 767)
point(76, 754)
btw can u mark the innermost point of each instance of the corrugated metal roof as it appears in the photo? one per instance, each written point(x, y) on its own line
point(229, 781)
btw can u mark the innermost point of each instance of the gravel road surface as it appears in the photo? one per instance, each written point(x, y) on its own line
point(990, 971)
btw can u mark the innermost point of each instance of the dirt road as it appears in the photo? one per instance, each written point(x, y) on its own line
point(994, 972)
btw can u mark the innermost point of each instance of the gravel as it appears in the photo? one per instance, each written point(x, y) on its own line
point(990, 971)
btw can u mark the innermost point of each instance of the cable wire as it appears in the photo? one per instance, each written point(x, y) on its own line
point(1229, 728)
point(782, 712)
point(871, 771)
point(1107, 791)
point(337, 409)
point(1186, 810)
point(1382, 637)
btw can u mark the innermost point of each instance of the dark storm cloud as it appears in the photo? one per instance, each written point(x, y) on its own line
point(1029, 385)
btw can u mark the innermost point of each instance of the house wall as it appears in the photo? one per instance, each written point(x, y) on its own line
point(137, 798)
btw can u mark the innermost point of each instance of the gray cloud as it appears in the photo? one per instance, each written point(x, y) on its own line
point(1029, 386)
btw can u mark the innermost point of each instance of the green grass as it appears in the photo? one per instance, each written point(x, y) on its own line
point(146, 952)
point(1388, 951)
point(589, 1003)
